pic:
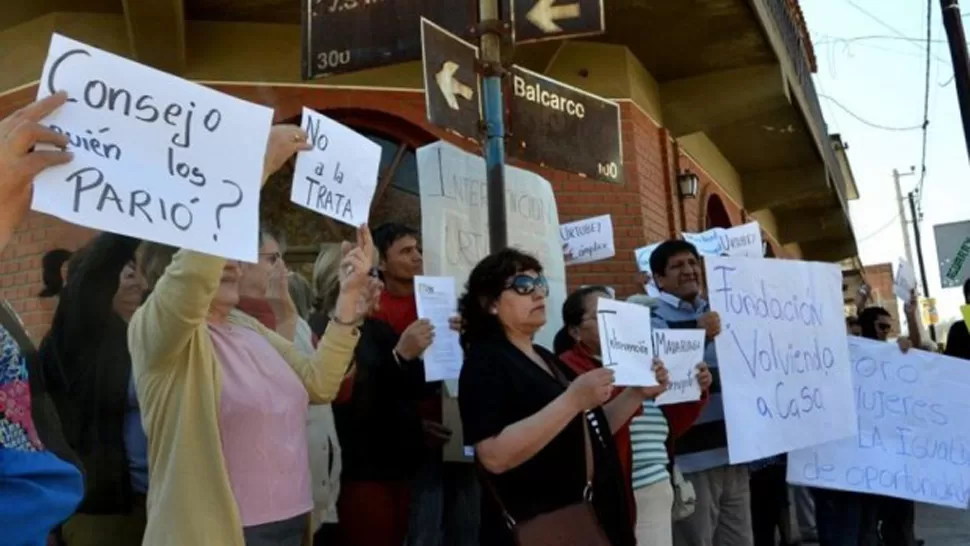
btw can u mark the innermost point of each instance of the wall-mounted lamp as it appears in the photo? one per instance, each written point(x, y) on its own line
point(687, 184)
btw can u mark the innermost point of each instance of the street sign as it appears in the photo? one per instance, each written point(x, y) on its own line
point(452, 87)
point(342, 36)
point(540, 20)
point(558, 126)
point(953, 253)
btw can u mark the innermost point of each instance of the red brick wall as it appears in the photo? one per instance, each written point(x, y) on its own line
point(645, 208)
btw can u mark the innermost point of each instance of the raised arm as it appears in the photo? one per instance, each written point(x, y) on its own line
point(177, 306)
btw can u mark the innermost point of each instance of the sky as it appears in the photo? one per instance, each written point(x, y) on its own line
point(882, 81)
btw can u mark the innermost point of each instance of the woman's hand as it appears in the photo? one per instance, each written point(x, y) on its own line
point(592, 389)
point(704, 376)
point(284, 141)
point(278, 292)
point(663, 380)
point(356, 281)
point(415, 339)
point(455, 323)
point(20, 163)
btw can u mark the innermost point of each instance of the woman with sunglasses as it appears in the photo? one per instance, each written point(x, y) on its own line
point(539, 431)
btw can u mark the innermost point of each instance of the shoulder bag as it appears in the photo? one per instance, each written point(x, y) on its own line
point(573, 525)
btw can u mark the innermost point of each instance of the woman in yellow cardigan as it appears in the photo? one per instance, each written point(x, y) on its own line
point(225, 400)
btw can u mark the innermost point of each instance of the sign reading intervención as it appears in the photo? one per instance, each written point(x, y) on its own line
point(914, 438)
point(625, 343)
point(451, 85)
point(155, 157)
point(562, 127)
point(338, 176)
point(681, 351)
point(784, 366)
point(588, 240)
point(744, 240)
point(953, 252)
point(342, 36)
point(454, 222)
point(540, 20)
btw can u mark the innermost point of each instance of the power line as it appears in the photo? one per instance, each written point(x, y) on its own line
point(926, 106)
point(865, 121)
point(879, 230)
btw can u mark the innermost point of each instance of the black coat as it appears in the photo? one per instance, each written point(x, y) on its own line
point(379, 426)
point(87, 369)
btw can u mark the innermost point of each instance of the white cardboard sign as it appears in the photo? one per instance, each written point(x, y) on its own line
point(625, 342)
point(744, 240)
point(681, 351)
point(786, 379)
point(914, 437)
point(155, 157)
point(338, 177)
point(589, 240)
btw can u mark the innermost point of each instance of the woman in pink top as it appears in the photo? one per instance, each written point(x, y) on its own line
point(225, 400)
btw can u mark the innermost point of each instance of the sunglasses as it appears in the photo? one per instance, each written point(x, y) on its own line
point(526, 285)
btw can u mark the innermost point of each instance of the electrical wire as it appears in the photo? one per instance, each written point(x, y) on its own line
point(865, 121)
point(926, 108)
point(879, 230)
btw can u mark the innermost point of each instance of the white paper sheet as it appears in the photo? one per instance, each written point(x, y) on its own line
point(625, 342)
point(437, 302)
point(681, 351)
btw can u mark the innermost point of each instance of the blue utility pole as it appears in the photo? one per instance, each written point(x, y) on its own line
point(492, 32)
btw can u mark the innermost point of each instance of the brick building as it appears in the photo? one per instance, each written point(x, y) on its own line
point(718, 89)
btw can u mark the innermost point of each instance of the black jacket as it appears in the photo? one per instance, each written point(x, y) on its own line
point(958, 341)
point(379, 427)
point(87, 369)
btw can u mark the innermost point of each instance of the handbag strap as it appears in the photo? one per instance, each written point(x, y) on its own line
point(587, 444)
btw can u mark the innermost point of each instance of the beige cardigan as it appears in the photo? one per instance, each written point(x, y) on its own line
point(178, 381)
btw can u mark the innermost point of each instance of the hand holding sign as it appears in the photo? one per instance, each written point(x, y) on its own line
point(591, 390)
point(19, 164)
point(284, 141)
point(663, 380)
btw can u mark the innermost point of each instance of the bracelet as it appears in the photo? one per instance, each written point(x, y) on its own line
point(354, 324)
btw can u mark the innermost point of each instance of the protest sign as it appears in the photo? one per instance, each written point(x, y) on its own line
point(642, 256)
point(437, 302)
point(905, 280)
point(744, 240)
point(913, 440)
point(588, 240)
point(155, 157)
point(784, 364)
point(681, 351)
point(337, 178)
point(454, 221)
point(625, 344)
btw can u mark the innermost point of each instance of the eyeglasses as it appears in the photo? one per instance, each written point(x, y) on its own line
point(525, 285)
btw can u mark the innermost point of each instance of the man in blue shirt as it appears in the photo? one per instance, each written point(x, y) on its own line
point(722, 516)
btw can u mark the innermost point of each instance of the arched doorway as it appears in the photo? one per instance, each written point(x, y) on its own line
point(716, 214)
point(395, 200)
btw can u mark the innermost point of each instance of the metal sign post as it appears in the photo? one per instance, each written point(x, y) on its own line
point(491, 26)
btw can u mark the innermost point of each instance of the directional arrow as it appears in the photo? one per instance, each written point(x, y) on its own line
point(544, 15)
point(450, 87)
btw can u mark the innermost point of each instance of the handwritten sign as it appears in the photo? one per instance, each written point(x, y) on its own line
point(156, 157)
point(744, 240)
point(642, 257)
point(589, 240)
point(914, 438)
point(338, 177)
point(625, 342)
point(784, 364)
point(454, 221)
point(681, 351)
point(437, 302)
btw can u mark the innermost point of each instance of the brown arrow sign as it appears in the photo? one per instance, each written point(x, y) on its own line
point(558, 126)
point(451, 84)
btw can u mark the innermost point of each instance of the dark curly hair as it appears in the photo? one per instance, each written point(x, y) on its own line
point(485, 284)
point(573, 310)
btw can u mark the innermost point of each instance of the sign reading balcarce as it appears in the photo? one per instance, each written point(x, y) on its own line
point(155, 157)
point(914, 436)
point(562, 127)
point(786, 380)
point(336, 178)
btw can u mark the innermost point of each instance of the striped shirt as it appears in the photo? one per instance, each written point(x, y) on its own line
point(704, 446)
point(648, 437)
